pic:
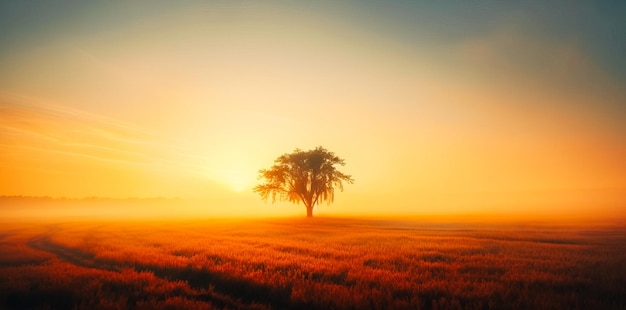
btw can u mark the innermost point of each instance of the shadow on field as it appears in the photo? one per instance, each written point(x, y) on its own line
point(200, 279)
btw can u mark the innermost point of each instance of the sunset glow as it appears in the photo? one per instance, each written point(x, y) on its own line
point(437, 109)
point(292, 154)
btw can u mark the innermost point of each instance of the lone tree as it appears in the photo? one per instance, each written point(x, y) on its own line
point(307, 176)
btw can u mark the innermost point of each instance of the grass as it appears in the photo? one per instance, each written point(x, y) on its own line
point(319, 263)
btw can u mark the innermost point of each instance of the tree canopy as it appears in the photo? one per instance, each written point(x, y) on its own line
point(307, 176)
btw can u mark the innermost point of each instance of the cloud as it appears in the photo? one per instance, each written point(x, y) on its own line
point(514, 53)
point(32, 126)
point(544, 71)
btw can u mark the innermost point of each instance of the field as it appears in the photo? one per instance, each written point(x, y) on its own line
point(319, 263)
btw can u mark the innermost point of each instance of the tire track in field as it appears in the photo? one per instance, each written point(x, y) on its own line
point(232, 287)
point(66, 254)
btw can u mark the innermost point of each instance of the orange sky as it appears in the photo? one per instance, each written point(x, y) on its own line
point(192, 101)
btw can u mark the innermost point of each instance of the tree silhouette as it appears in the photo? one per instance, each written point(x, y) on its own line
point(307, 176)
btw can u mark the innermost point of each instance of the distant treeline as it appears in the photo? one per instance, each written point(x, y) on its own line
point(46, 200)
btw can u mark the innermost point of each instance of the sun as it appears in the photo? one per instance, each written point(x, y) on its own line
point(232, 170)
point(237, 182)
point(237, 177)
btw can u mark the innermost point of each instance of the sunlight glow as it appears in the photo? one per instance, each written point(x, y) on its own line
point(235, 172)
point(192, 101)
point(238, 182)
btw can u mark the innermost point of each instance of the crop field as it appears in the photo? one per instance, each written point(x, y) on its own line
point(319, 263)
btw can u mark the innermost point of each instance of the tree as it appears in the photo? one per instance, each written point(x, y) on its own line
point(307, 176)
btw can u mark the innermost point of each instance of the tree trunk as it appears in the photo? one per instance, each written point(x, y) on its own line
point(309, 211)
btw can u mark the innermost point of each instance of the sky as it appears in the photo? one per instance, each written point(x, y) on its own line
point(437, 108)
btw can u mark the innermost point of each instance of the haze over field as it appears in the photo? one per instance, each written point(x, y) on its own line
point(490, 108)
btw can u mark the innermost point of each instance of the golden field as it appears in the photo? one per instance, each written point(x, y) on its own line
point(319, 263)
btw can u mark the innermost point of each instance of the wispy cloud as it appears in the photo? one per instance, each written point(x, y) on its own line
point(513, 52)
point(32, 126)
